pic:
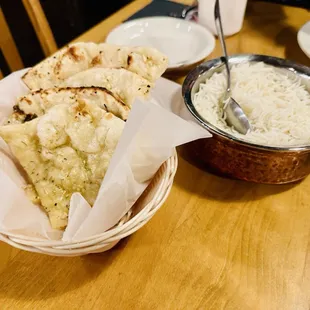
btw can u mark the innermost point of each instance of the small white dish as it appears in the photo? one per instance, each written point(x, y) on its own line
point(184, 42)
point(303, 38)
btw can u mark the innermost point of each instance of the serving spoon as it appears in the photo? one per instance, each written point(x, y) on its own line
point(234, 115)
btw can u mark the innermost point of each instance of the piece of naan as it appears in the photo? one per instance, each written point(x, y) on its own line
point(38, 102)
point(147, 62)
point(122, 83)
point(66, 150)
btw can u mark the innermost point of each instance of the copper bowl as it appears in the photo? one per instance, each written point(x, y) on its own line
point(239, 159)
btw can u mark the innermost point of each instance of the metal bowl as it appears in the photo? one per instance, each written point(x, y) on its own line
point(228, 155)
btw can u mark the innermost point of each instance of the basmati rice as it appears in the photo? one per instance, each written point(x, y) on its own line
point(277, 106)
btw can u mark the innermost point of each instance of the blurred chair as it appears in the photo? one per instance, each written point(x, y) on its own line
point(41, 26)
point(42, 30)
point(8, 47)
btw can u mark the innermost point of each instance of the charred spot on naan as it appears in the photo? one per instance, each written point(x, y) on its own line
point(57, 68)
point(73, 54)
point(27, 100)
point(19, 116)
point(30, 117)
point(96, 61)
point(80, 108)
point(129, 60)
point(17, 110)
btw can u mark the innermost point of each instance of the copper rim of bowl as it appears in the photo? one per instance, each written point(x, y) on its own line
point(196, 76)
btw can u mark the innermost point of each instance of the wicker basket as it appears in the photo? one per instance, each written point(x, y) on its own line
point(142, 211)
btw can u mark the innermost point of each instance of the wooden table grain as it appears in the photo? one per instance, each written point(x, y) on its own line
point(215, 244)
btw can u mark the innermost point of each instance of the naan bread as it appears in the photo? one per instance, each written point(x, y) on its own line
point(122, 83)
point(144, 61)
point(38, 102)
point(66, 150)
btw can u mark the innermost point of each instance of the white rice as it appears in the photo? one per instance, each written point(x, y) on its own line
point(277, 107)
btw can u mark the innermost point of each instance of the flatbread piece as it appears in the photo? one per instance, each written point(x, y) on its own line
point(66, 150)
point(147, 62)
point(122, 83)
point(38, 102)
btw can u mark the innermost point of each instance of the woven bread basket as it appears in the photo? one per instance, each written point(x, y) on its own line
point(141, 212)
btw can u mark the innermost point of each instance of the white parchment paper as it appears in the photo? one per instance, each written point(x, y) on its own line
point(151, 133)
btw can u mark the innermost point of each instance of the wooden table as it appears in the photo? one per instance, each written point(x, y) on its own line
point(215, 244)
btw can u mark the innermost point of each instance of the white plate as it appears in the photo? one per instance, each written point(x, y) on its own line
point(184, 42)
point(303, 38)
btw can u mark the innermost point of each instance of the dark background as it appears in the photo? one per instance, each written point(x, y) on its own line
point(67, 18)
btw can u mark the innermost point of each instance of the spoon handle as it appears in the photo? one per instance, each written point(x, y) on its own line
point(219, 29)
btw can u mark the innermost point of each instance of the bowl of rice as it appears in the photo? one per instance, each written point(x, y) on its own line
point(274, 93)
